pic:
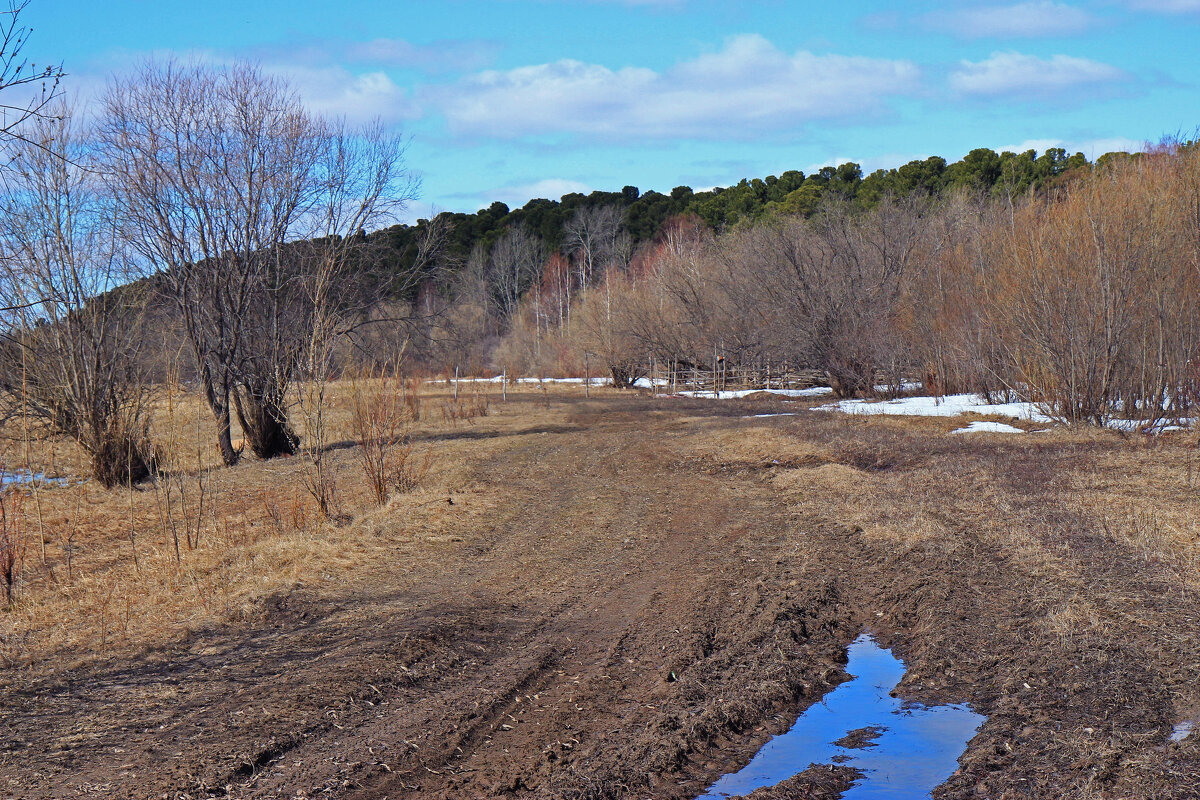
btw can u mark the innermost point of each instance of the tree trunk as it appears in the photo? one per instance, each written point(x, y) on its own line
point(218, 402)
point(266, 425)
point(623, 377)
point(224, 439)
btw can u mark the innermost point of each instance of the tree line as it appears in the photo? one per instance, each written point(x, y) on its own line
point(490, 260)
point(1082, 296)
point(1000, 175)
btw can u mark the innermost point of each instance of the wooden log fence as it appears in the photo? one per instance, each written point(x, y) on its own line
point(674, 378)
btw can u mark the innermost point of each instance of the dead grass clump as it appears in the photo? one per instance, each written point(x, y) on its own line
point(384, 411)
point(465, 409)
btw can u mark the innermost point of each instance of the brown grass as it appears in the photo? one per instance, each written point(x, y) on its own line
point(111, 580)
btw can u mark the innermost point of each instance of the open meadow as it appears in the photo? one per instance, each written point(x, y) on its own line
point(605, 596)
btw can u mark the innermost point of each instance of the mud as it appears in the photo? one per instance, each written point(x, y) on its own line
point(818, 782)
point(634, 622)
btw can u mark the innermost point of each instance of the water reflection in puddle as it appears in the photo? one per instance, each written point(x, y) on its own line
point(22, 477)
point(916, 749)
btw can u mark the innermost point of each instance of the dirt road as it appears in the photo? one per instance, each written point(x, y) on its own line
point(638, 595)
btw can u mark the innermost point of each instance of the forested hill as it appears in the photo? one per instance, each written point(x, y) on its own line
point(793, 192)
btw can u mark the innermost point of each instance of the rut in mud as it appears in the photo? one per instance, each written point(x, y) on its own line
point(634, 619)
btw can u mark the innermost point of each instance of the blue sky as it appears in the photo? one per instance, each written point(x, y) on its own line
point(513, 99)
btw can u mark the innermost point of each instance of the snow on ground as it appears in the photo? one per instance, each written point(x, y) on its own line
point(499, 378)
point(663, 383)
point(765, 416)
point(1163, 426)
point(981, 426)
point(948, 406)
point(815, 391)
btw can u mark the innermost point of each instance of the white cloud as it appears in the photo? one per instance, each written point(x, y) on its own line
point(548, 189)
point(434, 58)
point(335, 91)
point(1019, 74)
point(1033, 18)
point(746, 88)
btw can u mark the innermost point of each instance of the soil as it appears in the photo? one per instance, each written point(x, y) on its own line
point(860, 739)
point(636, 618)
point(818, 782)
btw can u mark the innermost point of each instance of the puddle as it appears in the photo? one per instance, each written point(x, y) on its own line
point(1182, 731)
point(905, 750)
point(22, 477)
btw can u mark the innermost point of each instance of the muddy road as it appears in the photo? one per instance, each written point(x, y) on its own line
point(638, 594)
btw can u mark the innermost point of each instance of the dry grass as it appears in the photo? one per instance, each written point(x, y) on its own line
point(111, 581)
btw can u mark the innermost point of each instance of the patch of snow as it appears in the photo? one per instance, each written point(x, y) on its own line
point(982, 426)
point(948, 406)
point(595, 381)
point(815, 391)
point(905, 386)
point(1135, 426)
point(1182, 730)
point(764, 416)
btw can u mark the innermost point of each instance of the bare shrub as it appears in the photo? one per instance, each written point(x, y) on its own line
point(467, 408)
point(180, 499)
point(1098, 302)
point(382, 417)
point(951, 344)
point(603, 327)
point(834, 284)
point(69, 361)
point(412, 399)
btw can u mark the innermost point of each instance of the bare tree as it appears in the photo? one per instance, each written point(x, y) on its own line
point(362, 184)
point(514, 265)
point(835, 284)
point(214, 170)
point(39, 86)
point(69, 360)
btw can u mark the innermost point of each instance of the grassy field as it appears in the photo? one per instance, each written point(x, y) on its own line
point(486, 633)
point(101, 574)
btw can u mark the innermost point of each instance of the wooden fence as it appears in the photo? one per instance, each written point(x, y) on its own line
point(679, 378)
